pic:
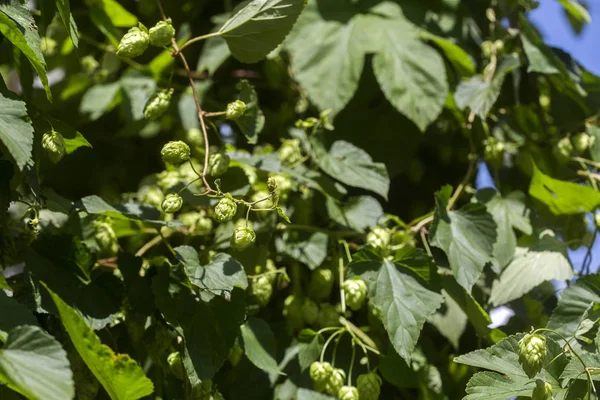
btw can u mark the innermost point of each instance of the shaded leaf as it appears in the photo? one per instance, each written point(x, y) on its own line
point(16, 133)
point(359, 213)
point(492, 386)
point(121, 377)
point(253, 120)
point(64, 10)
point(214, 53)
point(13, 314)
point(259, 26)
point(576, 370)
point(450, 320)
point(309, 351)
point(34, 364)
point(259, 344)
point(311, 251)
point(98, 100)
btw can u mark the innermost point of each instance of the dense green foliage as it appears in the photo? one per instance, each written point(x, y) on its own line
point(275, 199)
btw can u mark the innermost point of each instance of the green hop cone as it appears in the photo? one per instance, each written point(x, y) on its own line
point(242, 237)
point(54, 144)
point(348, 393)
point(292, 311)
point(225, 209)
point(542, 391)
point(161, 34)
point(218, 163)
point(321, 283)
point(289, 152)
point(262, 290)
point(532, 353)
point(335, 381)
point(310, 311)
point(320, 372)
point(172, 203)
point(581, 142)
point(271, 184)
point(329, 315)
point(151, 195)
point(235, 110)
point(369, 386)
point(195, 137)
point(562, 150)
point(89, 64)
point(48, 46)
point(355, 291)
point(157, 104)
point(105, 237)
point(379, 237)
point(196, 222)
point(175, 152)
point(134, 43)
point(175, 365)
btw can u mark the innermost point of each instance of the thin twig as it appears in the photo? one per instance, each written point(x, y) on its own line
point(153, 242)
point(461, 186)
point(196, 39)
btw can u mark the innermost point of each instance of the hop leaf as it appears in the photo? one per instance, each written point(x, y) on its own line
point(235, 110)
point(158, 104)
point(348, 393)
point(175, 365)
point(355, 291)
point(161, 34)
point(289, 152)
point(225, 209)
point(262, 290)
point(218, 163)
point(175, 152)
point(172, 203)
point(242, 238)
point(54, 144)
point(542, 391)
point(320, 372)
point(532, 353)
point(321, 283)
point(336, 381)
point(369, 386)
point(134, 43)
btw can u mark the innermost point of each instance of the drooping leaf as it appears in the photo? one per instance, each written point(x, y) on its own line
point(508, 213)
point(259, 26)
point(460, 60)
point(530, 268)
point(18, 26)
point(64, 10)
point(13, 314)
point(450, 320)
point(352, 166)
point(480, 95)
point(137, 90)
point(562, 197)
point(573, 305)
point(360, 212)
point(121, 377)
point(594, 131)
point(72, 137)
point(259, 344)
point(35, 365)
point(16, 133)
point(214, 53)
point(222, 274)
point(411, 74)
point(311, 251)
point(99, 99)
point(208, 329)
point(118, 15)
point(405, 303)
point(253, 120)
point(309, 351)
point(467, 236)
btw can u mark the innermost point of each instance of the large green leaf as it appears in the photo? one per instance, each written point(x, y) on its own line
point(460, 59)
point(492, 386)
point(573, 304)
point(405, 303)
point(222, 274)
point(64, 10)
point(352, 166)
point(411, 74)
point(480, 95)
point(18, 27)
point(99, 99)
point(467, 236)
point(214, 53)
point(562, 197)
point(34, 364)
point(576, 370)
point(253, 120)
point(309, 351)
point(359, 213)
point(209, 329)
point(508, 212)
point(259, 344)
point(530, 268)
point(13, 315)
point(450, 320)
point(310, 251)
point(16, 133)
point(259, 26)
point(121, 377)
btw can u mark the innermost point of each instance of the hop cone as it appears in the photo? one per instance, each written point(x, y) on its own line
point(356, 293)
point(329, 315)
point(157, 105)
point(161, 34)
point(321, 283)
point(218, 163)
point(581, 142)
point(289, 152)
point(175, 152)
point(242, 238)
point(225, 209)
point(542, 391)
point(532, 353)
point(134, 43)
point(235, 110)
point(320, 373)
point(262, 290)
point(292, 311)
point(369, 386)
point(335, 382)
point(348, 393)
point(310, 311)
point(172, 203)
point(54, 144)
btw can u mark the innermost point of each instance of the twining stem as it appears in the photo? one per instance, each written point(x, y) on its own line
point(341, 276)
point(351, 363)
point(200, 113)
point(462, 185)
point(196, 39)
point(328, 341)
